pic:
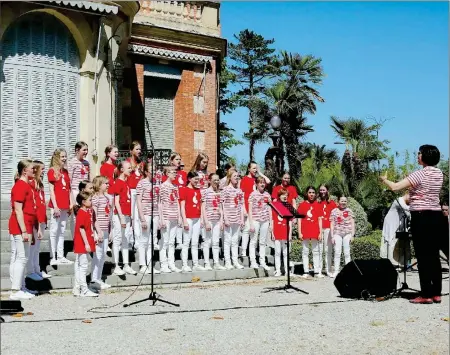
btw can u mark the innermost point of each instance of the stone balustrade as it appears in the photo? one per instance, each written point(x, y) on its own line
point(183, 10)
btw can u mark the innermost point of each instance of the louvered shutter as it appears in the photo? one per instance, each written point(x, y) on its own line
point(39, 93)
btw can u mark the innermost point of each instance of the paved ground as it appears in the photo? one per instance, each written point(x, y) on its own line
point(229, 318)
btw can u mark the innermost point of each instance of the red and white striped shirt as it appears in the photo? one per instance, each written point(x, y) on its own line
point(260, 208)
point(169, 201)
point(150, 194)
point(233, 203)
point(77, 172)
point(103, 215)
point(222, 183)
point(211, 199)
point(425, 190)
point(342, 221)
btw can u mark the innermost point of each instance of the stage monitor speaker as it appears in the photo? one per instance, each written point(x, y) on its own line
point(8, 307)
point(366, 278)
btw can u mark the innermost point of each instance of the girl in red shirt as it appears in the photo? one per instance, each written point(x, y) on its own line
point(61, 205)
point(34, 270)
point(190, 208)
point(286, 184)
point(232, 199)
point(101, 207)
point(21, 223)
point(122, 219)
point(310, 230)
point(170, 220)
point(248, 185)
point(260, 223)
point(83, 243)
point(280, 226)
point(109, 168)
point(148, 208)
point(137, 173)
point(326, 205)
point(212, 216)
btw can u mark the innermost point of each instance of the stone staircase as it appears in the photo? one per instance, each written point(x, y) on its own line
point(63, 275)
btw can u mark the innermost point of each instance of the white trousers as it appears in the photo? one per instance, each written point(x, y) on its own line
point(167, 244)
point(315, 252)
point(260, 233)
point(135, 222)
point(20, 252)
point(73, 218)
point(387, 248)
point(57, 230)
point(81, 267)
point(231, 243)
point(340, 241)
point(33, 260)
point(191, 236)
point(327, 246)
point(179, 235)
point(145, 243)
point(245, 235)
point(121, 238)
point(99, 257)
point(280, 247)
point(212, 237)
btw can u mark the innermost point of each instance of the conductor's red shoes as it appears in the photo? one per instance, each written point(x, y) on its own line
point(437, 299)
point(421, 300)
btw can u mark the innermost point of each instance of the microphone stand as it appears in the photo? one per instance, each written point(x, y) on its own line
point(287, 217)
point(153, 296)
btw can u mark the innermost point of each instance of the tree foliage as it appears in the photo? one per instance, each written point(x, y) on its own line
point(227, 141)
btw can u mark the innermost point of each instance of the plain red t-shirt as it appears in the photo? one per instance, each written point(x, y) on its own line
point(248, 185)
point(61, 187)
point(39, 197)
point(292, 192)
point(280, 226)
point(135, 175)
point(193, 201)
point(326, 208)
point(22, 192)
point(310, 224)
point(122, 189)
point(83, 221)
point(108, 171)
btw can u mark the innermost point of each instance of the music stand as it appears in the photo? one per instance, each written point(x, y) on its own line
point(288, 213)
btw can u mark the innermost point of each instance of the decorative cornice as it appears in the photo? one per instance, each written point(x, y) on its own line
point(88, 5)
point(168, 54)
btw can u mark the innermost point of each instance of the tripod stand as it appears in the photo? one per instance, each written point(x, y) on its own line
point(287, 212)
point(153, 296)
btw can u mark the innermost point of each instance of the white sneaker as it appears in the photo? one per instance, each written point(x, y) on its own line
point(238, 266)
point(118, 271)
point(208, 267)
point(186, 269)
point(229, 266)
point(291, 274)
point(109, 249)
point(179, 247)
point(128, 270)
point(198, 268)
point(45, 275)
point(143, 270)
point(103, 285)
point(88, 293)
point(35, 277)
point(277, 274)
point(20, 295)
point(219, 267)
point(305, 276)
point(173, 268)
point(333, 274)
point(254, 265)
point(265, 267)
point(54, 262)
point(155, 245)
point(165, 270)
point(32, 292)
point(320, 275)
point(65, 261)
point(76, 291)
point(156, 271)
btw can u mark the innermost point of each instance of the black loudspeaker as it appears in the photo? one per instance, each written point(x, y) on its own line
point(8, 307)
point(366, 278)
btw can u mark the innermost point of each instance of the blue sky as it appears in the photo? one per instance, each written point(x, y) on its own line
point(382, 59)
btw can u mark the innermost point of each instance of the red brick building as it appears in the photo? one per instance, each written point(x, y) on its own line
point(170, 87)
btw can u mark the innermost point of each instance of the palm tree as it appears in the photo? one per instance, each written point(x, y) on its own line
point(320, 154)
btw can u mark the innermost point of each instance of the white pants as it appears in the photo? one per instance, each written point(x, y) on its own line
point(99, 257)
point(261, 231)
point(315, 252)
point(387, 249)
point(191, 236)
point(81, 267)
point(231, 242)
point(145, 244)
point(57, 230)
point(179, 235)
point(167, 243)
point(245, 235)
point(73, 218)
point(121, 238)
point(212, 236)
point(327, 246)
point(338, 242)
point(33, 260)
point(20, 252)
point(135, 222)
point(280, 247)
